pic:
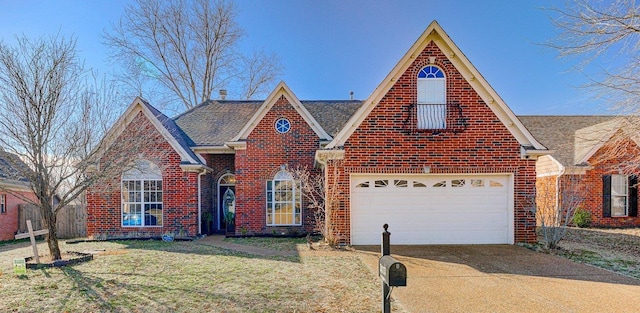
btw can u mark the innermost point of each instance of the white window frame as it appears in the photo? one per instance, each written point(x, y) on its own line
point(283, 193)
point(619, 195)
point(142, 192)
point(431, 109)
point(3, 203)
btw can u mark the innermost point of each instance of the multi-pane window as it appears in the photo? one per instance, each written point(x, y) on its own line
point(619, 195)
point(432, 100)
point(142, 195)
point(284, 200)
point(3, 203)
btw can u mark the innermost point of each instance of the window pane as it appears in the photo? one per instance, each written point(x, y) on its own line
point(618, 206)
point(477, 183)
point(381, 183)
point(400, 183)
point(440, 184)
point(457, 183)
point(619, 185)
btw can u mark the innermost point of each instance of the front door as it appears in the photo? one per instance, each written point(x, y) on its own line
point(227, 208)
point(226, 202)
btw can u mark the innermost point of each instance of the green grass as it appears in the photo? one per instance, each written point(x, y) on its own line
point(621, 266)
point(156, 276)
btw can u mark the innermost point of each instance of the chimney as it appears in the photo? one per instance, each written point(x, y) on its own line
point(223, 94)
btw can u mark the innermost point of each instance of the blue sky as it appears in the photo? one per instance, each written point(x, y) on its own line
point(331, 47)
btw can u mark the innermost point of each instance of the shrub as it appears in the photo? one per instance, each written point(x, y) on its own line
point(582, 218)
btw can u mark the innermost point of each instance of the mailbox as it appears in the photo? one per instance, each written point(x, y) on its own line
point(392, 272)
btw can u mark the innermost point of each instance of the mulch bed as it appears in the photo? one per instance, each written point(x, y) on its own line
point(68, 258)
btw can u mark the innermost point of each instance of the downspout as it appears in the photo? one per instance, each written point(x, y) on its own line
point(200, 201)
point(564, 169)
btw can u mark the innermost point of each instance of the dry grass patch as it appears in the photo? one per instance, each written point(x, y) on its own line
point(156, 276)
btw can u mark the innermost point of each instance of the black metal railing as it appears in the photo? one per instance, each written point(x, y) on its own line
point(435, 118)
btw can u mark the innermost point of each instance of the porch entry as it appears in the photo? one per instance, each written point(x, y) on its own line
point(226, 202)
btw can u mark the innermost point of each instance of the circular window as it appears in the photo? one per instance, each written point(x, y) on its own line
point(283, 125)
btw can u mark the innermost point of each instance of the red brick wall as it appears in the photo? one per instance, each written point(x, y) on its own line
point(221, 165)
point(9, 220)
point(382, 145)
point(593, 179)
point(180, 190)
point(266, 151)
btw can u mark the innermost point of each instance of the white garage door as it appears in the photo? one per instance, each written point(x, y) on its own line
point(432, 209)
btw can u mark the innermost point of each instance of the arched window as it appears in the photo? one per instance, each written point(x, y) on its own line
point(284, 200)
point(142, 195)
point(432, 98)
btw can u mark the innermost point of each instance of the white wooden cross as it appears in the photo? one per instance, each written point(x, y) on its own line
point(32, 235)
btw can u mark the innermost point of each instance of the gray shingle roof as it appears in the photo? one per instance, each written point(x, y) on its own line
point(12, 169)
point(559, 132)
point(178, 134)
point(215, 122)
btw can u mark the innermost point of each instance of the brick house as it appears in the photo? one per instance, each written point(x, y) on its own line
point(433, 151)
point(582, 166)
point(14, 191)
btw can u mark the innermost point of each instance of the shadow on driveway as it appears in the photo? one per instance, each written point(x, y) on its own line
point(503, 278)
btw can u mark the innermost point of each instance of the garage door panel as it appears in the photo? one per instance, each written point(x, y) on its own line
point(476, 212)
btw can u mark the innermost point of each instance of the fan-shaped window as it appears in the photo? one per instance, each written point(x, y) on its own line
point(142, 195)
point(363, 185)
point(432, 99)
point(381, 183)
point(440, 184)
point(418, 184)
point(400, 183)
point(284, 200)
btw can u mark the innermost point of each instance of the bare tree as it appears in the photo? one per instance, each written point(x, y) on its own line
point(189, 48)
point(555, 204)
point(53, 116)
point(608, 31)
point(322, 195)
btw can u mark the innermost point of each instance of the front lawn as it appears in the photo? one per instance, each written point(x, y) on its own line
point(156, 276)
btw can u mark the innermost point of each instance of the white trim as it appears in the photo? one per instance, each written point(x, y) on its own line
point(322, 156)
point(17, 186)
point(621, 124)
point(237, 145)
point(296, 194)
point(139, 105)
point(436, 34)
point(213, 150)
point(281, 90)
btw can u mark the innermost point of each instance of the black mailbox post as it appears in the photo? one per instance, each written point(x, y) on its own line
point(392, 272)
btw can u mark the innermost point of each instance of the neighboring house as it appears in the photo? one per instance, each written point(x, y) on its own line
point(14, 189)
point(434, 152)
point(581, 166)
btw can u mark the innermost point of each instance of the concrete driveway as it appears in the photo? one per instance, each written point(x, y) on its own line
point(503, 278)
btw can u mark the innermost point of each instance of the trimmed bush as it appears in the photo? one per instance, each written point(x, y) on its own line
point(582, 218)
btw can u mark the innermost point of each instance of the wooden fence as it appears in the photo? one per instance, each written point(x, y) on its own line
point(72, 220)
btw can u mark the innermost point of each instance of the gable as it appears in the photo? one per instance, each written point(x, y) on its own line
point(435, 37)
point(165, 126)
point(282, 90)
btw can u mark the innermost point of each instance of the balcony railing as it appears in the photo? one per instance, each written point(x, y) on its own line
point(435, 118)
